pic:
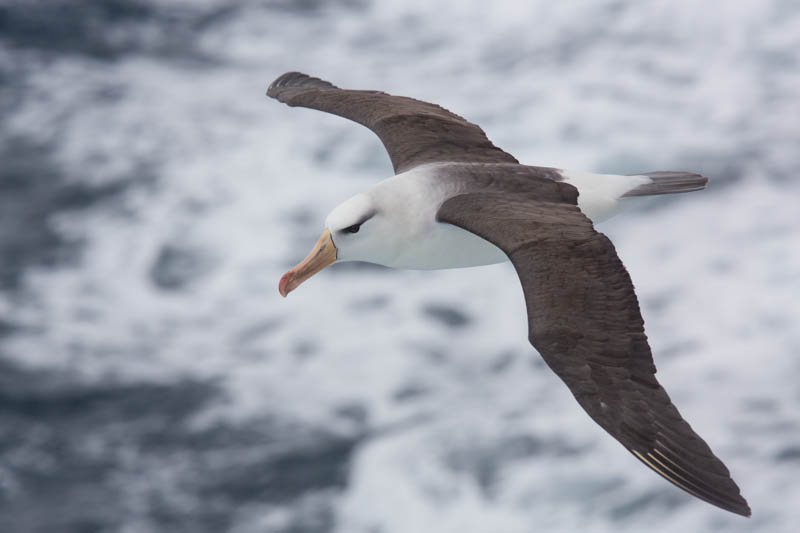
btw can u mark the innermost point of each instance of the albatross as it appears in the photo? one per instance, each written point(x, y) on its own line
point(456, 200)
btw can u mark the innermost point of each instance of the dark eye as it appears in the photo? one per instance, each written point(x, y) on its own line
point(352, 229)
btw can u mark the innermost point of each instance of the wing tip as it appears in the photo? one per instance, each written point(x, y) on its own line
point(296, 80)
point(734, 503)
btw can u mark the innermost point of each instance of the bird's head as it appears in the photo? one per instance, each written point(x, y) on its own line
point(355, 230)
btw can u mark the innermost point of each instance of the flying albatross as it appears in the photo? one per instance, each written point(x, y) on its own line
point(456, 200)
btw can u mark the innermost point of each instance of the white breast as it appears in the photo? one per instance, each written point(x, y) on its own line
point(448, 246)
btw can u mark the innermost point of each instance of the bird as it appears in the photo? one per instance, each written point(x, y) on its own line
point(457, 200)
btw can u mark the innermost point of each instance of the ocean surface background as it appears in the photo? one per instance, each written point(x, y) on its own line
point(152, 379)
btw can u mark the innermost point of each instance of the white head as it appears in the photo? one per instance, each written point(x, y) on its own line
point(394, 224)
point(358, 229)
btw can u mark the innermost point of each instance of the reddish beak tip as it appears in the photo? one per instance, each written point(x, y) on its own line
point(282, 285)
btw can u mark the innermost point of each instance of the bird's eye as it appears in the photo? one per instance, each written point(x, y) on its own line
point(352, 229)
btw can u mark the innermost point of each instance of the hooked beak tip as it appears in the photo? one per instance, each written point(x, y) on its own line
point(282, 285)
point(323, 254)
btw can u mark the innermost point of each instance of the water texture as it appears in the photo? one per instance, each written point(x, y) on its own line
point(151, 378)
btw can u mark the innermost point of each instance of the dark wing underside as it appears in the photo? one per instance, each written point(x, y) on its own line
point(413, 132)
point(584, 320)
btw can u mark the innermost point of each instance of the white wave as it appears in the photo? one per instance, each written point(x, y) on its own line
point(245, 183)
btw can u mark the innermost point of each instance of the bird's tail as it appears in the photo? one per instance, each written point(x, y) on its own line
point(668, 182)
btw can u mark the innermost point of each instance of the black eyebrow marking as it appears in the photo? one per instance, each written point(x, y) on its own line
point(366, 217)
point(353, 228)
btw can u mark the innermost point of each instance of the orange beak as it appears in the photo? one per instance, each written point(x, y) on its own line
point(322, 255)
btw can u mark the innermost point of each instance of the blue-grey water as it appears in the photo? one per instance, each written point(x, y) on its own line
point(151, 378)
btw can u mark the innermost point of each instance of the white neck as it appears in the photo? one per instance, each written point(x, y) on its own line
point(418, 241)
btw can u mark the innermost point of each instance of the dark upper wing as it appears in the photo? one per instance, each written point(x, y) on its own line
point(584, 320)
point(412, 131)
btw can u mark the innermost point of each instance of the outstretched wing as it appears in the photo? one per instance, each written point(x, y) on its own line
point(584, 319)
point(413, 132)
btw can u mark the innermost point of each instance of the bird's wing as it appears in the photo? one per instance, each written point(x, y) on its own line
point(413, 132)
point(584, 319)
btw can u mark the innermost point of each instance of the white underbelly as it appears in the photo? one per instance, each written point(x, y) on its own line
point(448, 246)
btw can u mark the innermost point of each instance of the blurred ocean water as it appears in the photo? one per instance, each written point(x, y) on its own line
point(152, 379)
